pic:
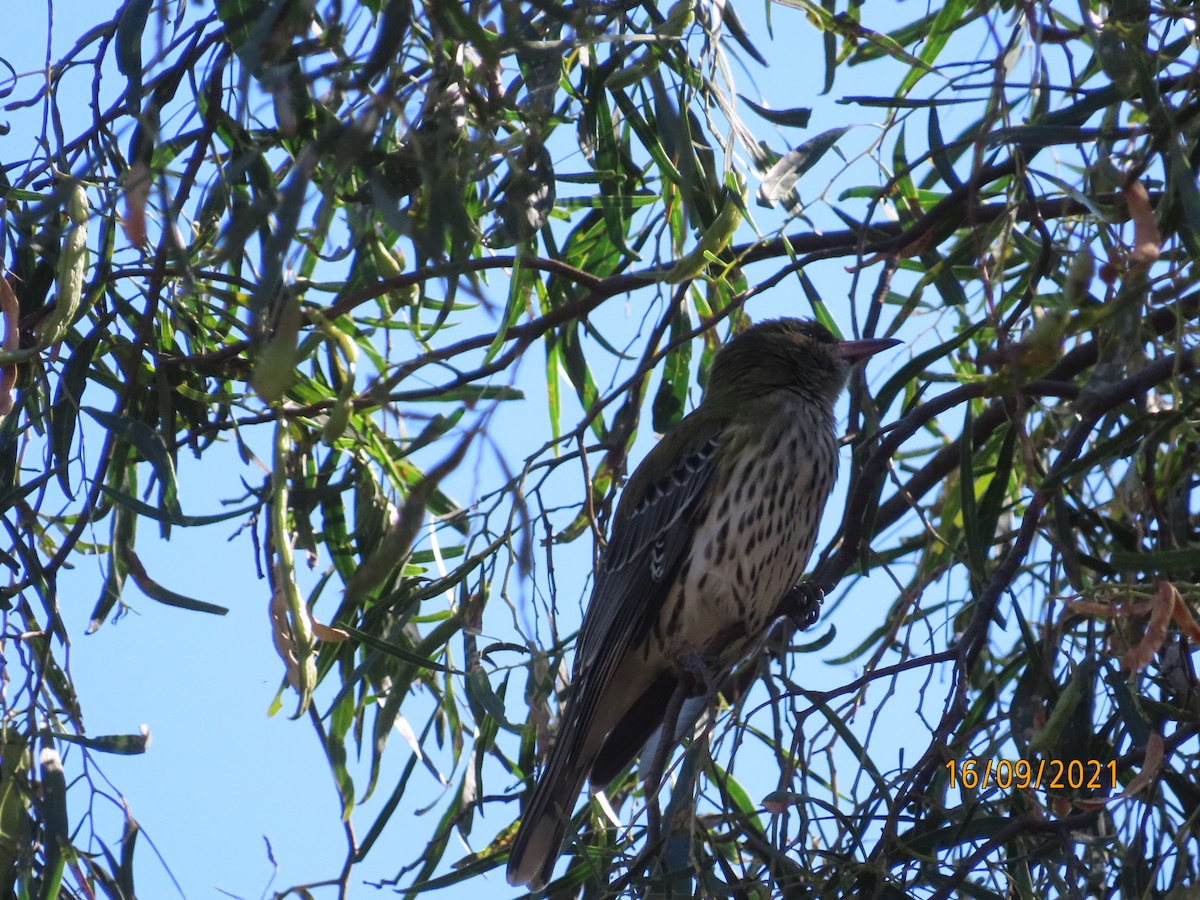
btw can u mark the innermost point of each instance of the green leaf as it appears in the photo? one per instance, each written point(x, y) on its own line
point(156, 591)
point(393, 649)
point(470, 393)
point(976, 541)
point(782, 177)
point(649, 138)
point(992, 503)
point(1183, 561)
point(131, 23)
point(1130, 709)
point(340, 719)
point(731, 22)
point(480, 694)
point(950, 18)
point(519, 290)
point(120, 744)
point(937, 152)
point(123, 534)
point(921, 362)
point(150, 446)
point(671, 397)
point(820, 310)
point(174, 517)
point(65, 411)
point(788, 118)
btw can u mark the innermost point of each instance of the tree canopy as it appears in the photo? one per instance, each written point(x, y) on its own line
point(438, 273)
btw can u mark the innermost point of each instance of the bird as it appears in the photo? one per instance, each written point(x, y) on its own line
point(713, 528)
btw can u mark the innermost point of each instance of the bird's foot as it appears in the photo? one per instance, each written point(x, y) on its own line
point(803, 604)
point(700, 674)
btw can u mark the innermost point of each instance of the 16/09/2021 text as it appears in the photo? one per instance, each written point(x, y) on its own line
point(1052, 774)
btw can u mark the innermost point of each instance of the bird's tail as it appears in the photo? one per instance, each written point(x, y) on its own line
point(545, 818)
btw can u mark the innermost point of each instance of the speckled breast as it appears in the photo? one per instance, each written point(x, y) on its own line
point(756, 537)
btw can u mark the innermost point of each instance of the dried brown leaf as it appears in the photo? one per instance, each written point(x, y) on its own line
point(1161, 608)
point(1150, 766)
point(1147, 239)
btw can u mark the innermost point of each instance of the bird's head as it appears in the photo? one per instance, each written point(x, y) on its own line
point(796, 355)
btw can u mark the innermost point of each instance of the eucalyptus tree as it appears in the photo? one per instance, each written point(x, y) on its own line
point(438, 274)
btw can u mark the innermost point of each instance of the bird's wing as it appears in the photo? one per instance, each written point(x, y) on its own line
point(651, 535)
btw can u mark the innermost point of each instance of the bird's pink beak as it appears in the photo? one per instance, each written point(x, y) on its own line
point(856, 351)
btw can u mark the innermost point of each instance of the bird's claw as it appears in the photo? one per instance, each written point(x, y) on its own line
point(701, 672)
point(803, 605)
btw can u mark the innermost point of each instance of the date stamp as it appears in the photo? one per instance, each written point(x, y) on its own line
point(1051, 774)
